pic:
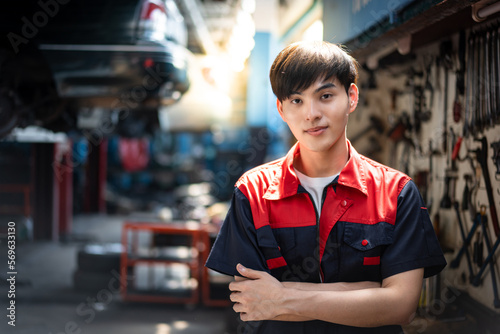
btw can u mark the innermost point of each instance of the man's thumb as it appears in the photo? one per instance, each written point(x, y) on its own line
point(246, 272)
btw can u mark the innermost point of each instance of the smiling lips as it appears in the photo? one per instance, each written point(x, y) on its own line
point(316, 131)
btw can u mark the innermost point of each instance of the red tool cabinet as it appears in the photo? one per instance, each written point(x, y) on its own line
point(155, 253)
point(140, 252)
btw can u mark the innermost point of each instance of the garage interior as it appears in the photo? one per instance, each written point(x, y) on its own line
point(114, 215)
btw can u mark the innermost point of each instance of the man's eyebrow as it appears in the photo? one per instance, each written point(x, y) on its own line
point(325, 86)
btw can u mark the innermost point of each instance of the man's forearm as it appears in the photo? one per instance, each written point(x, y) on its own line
point(362, 307)
point(341, 286)
point(262, 297)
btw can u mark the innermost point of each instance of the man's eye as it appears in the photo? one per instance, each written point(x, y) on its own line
point(326, 96)
point(295, 101)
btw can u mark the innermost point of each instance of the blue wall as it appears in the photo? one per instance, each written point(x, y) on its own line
point(346, 19)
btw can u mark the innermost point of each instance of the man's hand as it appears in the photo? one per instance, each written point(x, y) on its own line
point(256, 297)
point(259, 296)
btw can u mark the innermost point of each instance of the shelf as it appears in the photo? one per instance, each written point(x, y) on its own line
point(158, 273)
point(165, 263)
point(166, 254)
point(215, 286)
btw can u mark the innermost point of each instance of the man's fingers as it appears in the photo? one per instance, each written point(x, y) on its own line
point(249, 273)
point(237, 307)
point(244, 317)
point(239, 278)
point(234, 297)
point(235, 286)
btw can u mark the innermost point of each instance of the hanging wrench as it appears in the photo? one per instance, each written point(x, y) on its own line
point(445, 50)
point(480, 82)
point(493, 77)
point(497, 73)
point(488, 119)
point(474, 86)
point(460, 78)
point(468, 87)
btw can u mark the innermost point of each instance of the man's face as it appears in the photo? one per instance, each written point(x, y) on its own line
point(317, 116)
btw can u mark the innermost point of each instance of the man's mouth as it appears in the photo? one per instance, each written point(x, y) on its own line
point(316, 130)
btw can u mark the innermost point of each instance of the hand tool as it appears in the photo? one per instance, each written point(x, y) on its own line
point(481, 92)
point(469, 88)
point(488, 119)
point(477, 250)
point(496, 79)
point(462, 48)
point(477, 279)
point(446, 199)
point(457, 109)
point(466, 193)
point(460, 80)
point(432, 153)
point(482, 158)
point(445, 54)
point(474, 86)
point(471, 186)
point(418, 105)
point(456, 148)
point(493, 84)
point(496, 157)
point(484, 224)
point(375, 124)
point(451, 174)
point(465, 246)
point(426, 106)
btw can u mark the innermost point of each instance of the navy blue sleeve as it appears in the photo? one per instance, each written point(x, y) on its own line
point(415, 243)
point(237, 240)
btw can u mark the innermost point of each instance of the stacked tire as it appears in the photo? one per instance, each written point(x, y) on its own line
point(98, 267)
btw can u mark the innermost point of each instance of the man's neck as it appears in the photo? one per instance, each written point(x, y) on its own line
point(323, 164)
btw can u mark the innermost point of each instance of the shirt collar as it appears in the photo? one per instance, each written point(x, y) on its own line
point(286, 183)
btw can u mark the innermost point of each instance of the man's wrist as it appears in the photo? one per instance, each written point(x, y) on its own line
point(284, 305)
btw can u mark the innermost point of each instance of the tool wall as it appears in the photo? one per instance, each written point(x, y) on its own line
point(440, 107)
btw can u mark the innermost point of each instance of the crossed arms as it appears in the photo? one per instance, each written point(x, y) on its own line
point(259, 296)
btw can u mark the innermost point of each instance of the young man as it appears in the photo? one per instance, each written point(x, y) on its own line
point(324, 240)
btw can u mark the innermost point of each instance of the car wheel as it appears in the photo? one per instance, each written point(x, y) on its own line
point(96, 258)
point(93, 282)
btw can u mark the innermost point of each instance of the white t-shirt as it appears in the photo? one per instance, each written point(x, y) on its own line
point(315, 186)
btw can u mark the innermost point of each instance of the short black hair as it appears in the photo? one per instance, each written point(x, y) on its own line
point(302, 63)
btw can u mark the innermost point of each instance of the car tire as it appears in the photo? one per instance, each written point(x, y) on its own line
point(93, 281)
point(97, 258)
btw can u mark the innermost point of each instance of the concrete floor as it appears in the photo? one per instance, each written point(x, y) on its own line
point(47, 303)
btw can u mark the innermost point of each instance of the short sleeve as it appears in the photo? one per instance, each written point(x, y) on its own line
point(415, 243)
point(237, 240)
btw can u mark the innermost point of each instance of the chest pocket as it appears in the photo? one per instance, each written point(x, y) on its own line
point(286, 241)
point(362, 249)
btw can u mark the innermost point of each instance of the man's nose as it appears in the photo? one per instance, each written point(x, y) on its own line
point(313, 111)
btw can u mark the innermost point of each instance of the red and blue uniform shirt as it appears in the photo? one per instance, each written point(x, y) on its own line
point(373, 224)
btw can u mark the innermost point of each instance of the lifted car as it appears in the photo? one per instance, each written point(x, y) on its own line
point(59, 57)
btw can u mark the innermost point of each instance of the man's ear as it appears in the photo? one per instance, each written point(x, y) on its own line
point(353, 93)
point(279, 106)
